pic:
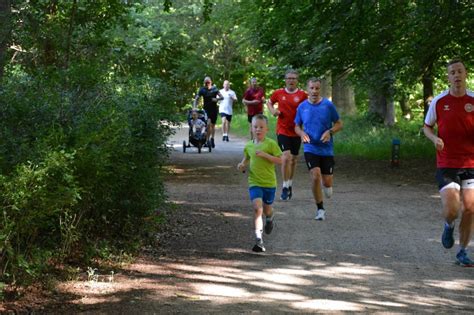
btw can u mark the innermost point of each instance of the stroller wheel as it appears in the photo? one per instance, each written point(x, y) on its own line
point(184, 146)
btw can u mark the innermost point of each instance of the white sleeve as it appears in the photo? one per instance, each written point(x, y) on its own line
point(431, 118)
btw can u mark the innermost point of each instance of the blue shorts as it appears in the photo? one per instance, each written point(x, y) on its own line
point(266, 194)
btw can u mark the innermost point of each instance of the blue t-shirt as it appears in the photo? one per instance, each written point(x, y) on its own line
point(316, 119)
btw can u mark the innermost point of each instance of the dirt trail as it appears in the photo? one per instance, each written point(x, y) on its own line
point(378, 250)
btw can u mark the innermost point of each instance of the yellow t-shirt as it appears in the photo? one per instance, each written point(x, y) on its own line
point(262, 171)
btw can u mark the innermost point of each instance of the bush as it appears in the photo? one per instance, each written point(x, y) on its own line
point(79, 168)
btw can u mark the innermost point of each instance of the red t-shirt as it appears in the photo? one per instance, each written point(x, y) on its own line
point(287, 105)
point(254, 94)
point(455, 119)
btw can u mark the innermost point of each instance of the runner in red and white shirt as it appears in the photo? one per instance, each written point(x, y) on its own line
point(453, 113)
point(288, 99)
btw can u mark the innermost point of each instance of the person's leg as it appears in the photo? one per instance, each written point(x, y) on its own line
point(466, 225)
point(258, 224)
point(224, 127)
point(268, 198)
point(327, 168)
point(228, 122)
point(286, 165)
point(315, 174)
point(451, 201)
point(208, 133)
point(258, 211)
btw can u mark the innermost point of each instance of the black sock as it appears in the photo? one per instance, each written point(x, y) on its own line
point(320, 205)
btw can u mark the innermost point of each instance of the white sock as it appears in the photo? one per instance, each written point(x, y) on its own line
point(290, 183)
point(258, 234)
point(285, 184)
point(225, 135)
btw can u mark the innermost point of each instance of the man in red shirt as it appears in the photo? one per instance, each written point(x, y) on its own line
point(253, 98)
point(453, 112)
point(288, 99)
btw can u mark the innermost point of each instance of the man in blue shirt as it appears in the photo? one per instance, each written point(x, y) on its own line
point(316, 122)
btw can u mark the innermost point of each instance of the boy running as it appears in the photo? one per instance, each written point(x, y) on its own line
point(260, 155)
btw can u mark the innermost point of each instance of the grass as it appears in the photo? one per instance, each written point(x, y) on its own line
point(362, 138)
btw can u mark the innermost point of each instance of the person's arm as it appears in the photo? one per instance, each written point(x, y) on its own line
point(269, 157)
point(242, 166)
point(196, 99)
point(303, 135)
point(274, 111)
point(247, 102)
point(430, 134)
point(326, 136)
point(218, 98)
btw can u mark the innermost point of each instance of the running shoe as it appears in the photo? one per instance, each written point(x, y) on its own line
point(320, 215)
point(463, 260)
point(223, 138)
point(290, 192)
point(284, 194)
point(327, 192)
point(212, 143)
point(258, 247)
point(227, 138)
point(268, 226)
point(447, 238)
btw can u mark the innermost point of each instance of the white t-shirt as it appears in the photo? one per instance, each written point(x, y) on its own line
point(225, 106)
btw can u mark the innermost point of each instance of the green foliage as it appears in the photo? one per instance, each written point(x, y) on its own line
point(360, 138)
point(79, 167)
point(38, 203)
point(363, 137)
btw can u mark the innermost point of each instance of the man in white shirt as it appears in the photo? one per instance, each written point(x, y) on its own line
point(225, 108)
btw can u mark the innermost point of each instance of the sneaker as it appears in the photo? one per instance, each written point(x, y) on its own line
point(227, 138)
point(268, 226)
point(223, 138)
point(463, 260)
point(447, 238)
point(212, 143)
point(258, 247)
point(327, 192)
point(284, 194)
point(290, 192)
point(320, 215)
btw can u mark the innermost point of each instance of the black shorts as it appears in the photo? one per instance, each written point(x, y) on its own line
point(325, 163)
point(211, 113)
point(289, 143)
point(446, 176)
point(228, 117)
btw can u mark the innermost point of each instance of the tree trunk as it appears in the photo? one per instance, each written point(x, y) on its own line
point(377, 106)
point(49, 49)
point(389, 119)
point(427, 81)
point(5, 30)
point(343, 94)
point(382, 106)
point(406, 111)
point(326, 90)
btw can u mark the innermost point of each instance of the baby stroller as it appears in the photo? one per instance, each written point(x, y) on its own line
point(197, 131)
